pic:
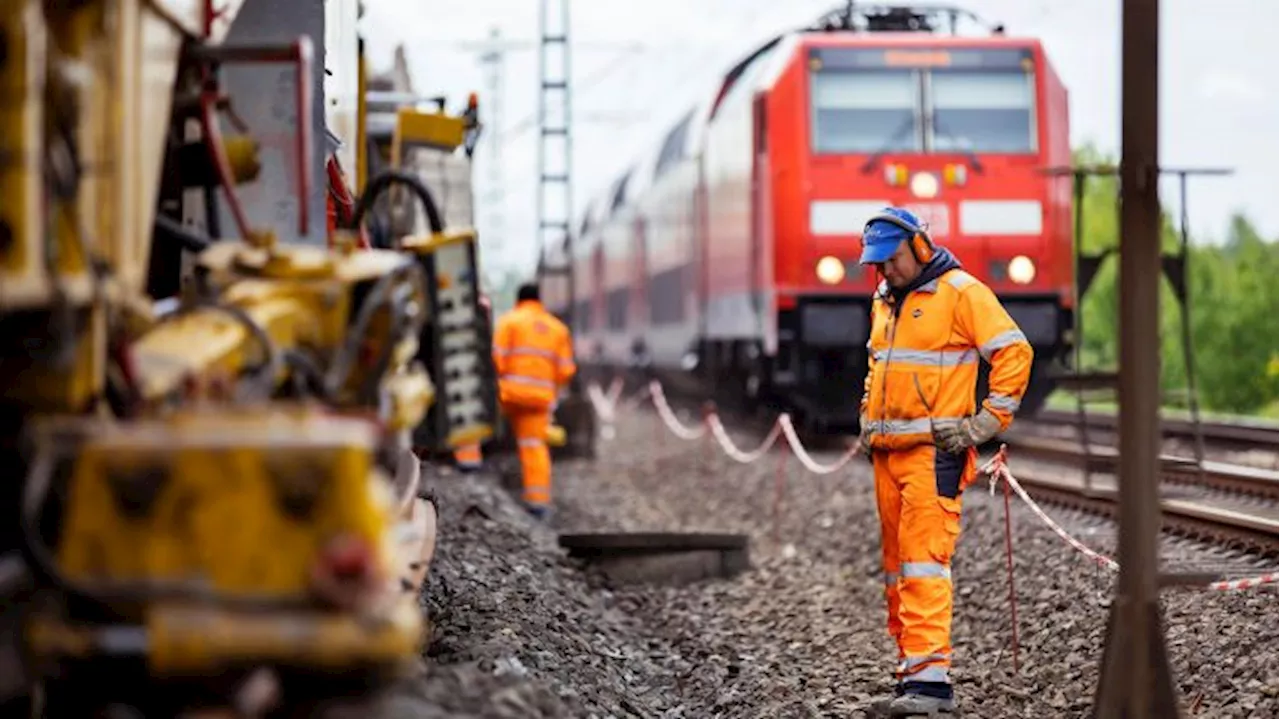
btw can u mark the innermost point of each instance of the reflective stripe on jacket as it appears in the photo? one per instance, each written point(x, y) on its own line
point(923, 359)
point(533, 356)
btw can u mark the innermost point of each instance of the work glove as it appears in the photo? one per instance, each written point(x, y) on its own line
point(956, 437)
point(864, 438)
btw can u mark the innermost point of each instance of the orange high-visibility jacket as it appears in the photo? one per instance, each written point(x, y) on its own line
point(923, 359)
point(533, 355)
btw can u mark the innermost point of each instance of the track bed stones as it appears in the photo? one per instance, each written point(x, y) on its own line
point(518, 631)
point(802, 633)
point(521, 630)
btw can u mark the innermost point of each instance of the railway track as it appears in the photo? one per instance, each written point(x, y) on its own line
point(1227, 435)
point(1225, 504)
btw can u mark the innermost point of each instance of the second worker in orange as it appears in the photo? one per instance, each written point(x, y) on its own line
point(533, 355)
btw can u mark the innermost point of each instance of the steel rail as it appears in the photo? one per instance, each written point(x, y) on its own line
point(1251, 531)
point(1252, 434)
point(1174, 469)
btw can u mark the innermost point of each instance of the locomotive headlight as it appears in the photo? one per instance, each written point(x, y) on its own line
point(830, 270)
point(1022, 270)
point(924, 185)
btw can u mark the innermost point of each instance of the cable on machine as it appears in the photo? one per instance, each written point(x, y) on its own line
point(381, 294)
point(173, 231)
point(385, 180)
point(265, 380)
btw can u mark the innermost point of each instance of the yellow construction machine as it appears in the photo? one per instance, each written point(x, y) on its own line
point(218, 488)
point(420, 145)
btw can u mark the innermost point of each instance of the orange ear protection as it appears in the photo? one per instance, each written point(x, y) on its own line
point(921, 244)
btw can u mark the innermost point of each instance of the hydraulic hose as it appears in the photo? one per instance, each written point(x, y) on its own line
point(386, 179)
point(175, 232)
point(266, 377)
point(382, 293)
point(398, 314)
point(306, 372)
point(39, 558)
point(345, 356)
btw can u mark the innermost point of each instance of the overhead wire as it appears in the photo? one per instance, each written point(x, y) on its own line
point(714, 55)
point(706, 50)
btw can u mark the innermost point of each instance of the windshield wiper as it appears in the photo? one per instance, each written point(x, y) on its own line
point(968, 154)
point(888, 145)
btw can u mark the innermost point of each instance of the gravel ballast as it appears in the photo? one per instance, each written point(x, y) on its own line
point(520, 630)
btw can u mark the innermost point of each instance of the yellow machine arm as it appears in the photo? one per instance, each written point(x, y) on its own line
point(332, 324)
point(219, 487)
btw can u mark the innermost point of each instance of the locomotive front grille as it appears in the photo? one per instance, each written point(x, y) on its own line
point(1040, 319)
point(834, 324)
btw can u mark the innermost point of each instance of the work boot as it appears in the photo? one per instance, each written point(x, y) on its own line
point(920, 705)
point(542, 514)
point(880, 707)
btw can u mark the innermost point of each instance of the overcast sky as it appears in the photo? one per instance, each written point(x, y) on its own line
point(637, 66)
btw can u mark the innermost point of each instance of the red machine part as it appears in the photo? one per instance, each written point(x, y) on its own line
point(300, 54)
point(341, 205)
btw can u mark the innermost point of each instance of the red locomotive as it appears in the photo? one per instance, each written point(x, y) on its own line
point(729, 256)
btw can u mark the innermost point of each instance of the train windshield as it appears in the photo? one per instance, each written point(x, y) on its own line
point(866, 112)
point(868, 101)
point(982, 111)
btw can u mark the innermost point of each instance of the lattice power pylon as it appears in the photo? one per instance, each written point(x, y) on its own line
point(493, 59)
point(555, 155)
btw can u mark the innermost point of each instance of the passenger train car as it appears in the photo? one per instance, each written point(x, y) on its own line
point(727, 257)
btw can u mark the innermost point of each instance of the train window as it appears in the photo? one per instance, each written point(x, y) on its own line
point(865, 111)
point(619, 193)
point(582, 316)
point(983, 111)
point(673, 146)
point(616, 303)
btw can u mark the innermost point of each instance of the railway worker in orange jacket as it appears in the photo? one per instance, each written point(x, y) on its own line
point(930, 322)
point(533, 356)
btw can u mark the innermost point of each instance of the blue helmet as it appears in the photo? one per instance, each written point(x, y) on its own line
point(880, 238)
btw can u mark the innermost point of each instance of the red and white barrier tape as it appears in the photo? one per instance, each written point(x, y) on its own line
point(603, 405)
point(998, 469)
point(789, 431)
point(726, 443)
point(607, 405)
point(669, 417)
point(712, 423)
point(639, 397)
point(615, 391)
point(1248, 583)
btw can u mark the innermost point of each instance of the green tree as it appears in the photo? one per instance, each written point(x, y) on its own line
point(1234, 301)
point(1234, 319)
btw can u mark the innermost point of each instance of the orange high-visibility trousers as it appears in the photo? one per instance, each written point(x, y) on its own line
point(468, 456)
point(530, 428)
point(918, 498)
